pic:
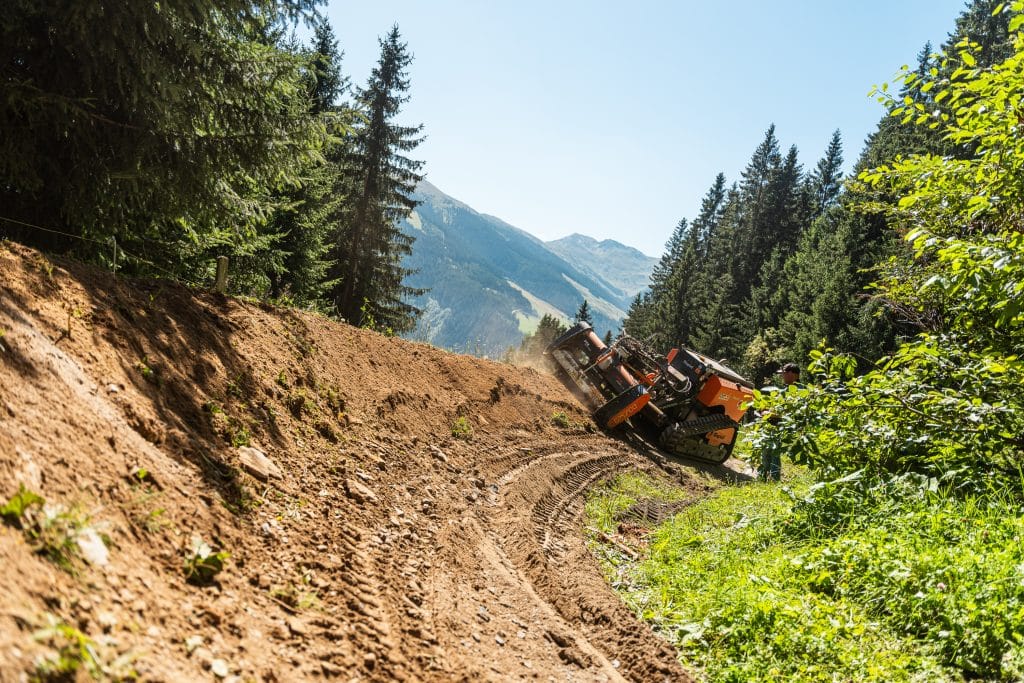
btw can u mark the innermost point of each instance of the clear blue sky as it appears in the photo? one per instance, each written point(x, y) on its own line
point(612, 119)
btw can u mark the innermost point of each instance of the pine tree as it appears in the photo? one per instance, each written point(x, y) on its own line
point(639, 320)
point(662, 302)
point(380, 181)
point(533, 345)
point(583, 314)
point(326, 81)
point(693, 278)
point(164, 125)
point(308, 214)
point(980, 23)
point(826, 179)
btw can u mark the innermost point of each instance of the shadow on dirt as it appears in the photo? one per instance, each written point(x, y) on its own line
point(174, 346)
point(642, 442)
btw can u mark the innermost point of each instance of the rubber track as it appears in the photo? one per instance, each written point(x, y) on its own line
point(702, 425)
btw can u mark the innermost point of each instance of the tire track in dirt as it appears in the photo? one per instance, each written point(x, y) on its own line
point(537, 524)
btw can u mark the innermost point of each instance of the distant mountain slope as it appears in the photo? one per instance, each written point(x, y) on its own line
point(490, 282)
point(623, 268)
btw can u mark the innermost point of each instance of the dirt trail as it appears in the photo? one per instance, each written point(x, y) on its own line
point(386, 549)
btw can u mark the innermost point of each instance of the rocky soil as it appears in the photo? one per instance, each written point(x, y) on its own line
point(390, 511)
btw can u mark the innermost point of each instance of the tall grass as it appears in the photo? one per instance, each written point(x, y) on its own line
point(853, 582)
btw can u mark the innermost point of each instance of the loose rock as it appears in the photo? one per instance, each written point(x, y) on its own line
point(255, 462)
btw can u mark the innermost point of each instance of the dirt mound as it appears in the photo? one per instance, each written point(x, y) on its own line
point(391, 511)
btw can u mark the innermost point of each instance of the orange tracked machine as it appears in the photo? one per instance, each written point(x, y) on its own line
point(693, 402)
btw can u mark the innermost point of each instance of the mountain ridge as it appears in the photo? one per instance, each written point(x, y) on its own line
point(490, 282)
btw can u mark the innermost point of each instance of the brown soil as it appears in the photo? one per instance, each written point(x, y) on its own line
point(387, 550)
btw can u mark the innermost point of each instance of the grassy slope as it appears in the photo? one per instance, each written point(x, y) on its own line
point(917, 586)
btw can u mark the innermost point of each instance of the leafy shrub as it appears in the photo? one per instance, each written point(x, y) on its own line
point(947, 403)
point(560, 419)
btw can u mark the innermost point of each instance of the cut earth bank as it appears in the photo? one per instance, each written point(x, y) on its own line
point(391, 511)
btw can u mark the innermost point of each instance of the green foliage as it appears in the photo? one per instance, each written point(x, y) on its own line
point(940, 568)
point(462, 429)
point(607, 503)
point(583, 314)
point(912, 584)
point(51, 530)
point(300, 403)
point(299, 592)
point(531, 349)
point(947, 403)
point(202, 564)
point(379, 179)
point(148, 372)
point(162, 124)
point(73, 651)
point(560, 419)
point(13, 512)
point(239, 435)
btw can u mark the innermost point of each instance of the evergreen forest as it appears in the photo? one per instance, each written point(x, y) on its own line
point(153, 138)
point(786, 259)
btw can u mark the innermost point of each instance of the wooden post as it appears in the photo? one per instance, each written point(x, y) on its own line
point(113, 239)
point(221, 284)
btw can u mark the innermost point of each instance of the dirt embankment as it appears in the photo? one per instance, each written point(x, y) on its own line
point(373, 546)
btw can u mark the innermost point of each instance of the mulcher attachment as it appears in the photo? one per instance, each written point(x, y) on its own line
point(694, 402)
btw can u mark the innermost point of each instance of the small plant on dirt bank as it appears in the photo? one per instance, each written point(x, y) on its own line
point(299, 403)
point(234, 388)
point(50, 530)
point(147, 371)
point(298, 593)
point(141, 509)
point(462, 429)
point(73, 651)
point(239, 433)
point(202, 564)
point(560, 419)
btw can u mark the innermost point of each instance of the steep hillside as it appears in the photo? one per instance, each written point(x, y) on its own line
point(623, 268)
point(366, 541)
point(490, 282)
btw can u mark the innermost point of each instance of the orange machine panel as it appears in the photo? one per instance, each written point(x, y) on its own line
point(729, 395)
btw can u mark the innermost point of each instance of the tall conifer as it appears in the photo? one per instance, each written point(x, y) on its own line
point(380, 181)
